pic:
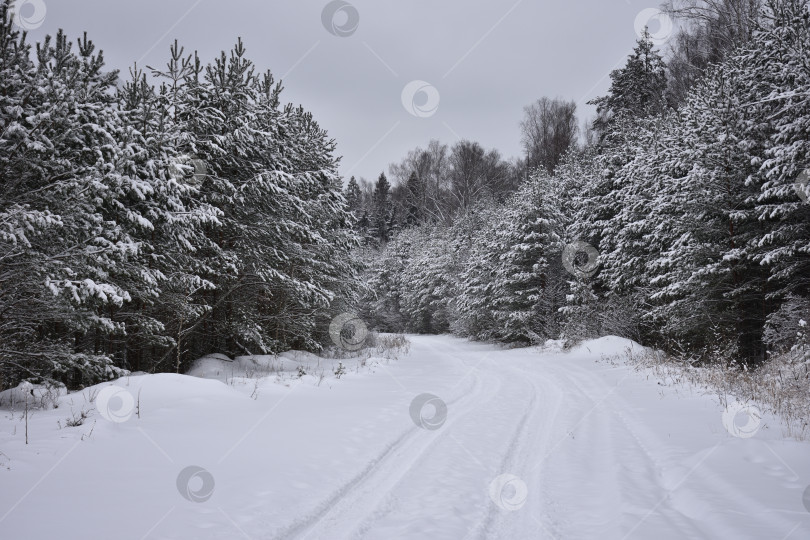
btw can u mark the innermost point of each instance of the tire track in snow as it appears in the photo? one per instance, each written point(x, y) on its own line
point(638, 483)
point(592, 467)
point(384, 502)
point(509, 464)
point(661, 490)
point(701, 487)
point(382, 468)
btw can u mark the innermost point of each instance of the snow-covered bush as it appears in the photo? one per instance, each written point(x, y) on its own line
point(787, 328)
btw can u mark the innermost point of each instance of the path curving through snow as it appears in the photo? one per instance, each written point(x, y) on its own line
point(534, 445)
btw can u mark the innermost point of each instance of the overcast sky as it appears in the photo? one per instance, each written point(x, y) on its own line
point(484, 61)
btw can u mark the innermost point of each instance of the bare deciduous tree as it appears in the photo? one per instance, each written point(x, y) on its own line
point(710, 29)
point(730, 22)
point(549, 128)
point(474, 173)
point(431, 167)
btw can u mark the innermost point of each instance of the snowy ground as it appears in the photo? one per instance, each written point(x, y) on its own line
point(533, 445)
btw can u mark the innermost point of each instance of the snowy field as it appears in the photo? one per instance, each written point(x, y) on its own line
point(513, 444)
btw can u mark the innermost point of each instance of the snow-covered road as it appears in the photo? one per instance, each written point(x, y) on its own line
point(530, 445)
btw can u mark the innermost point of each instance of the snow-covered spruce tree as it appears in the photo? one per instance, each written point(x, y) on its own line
point(382, 306)
point(381, 214)
point(667, 212)
point(595, 196)
point(529, 283)
point(414, 201)
point(578, 176)
point(458, 260)
point(427, 284)
point(354, 198)
point(643, 223)
point(708, 292)
point(327, 269)
point(474, 236)
point(696, 214)
point(599, 188)
point(636, 90)
point(776, 93)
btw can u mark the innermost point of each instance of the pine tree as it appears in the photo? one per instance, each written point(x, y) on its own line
point(636, 90)
point(76, 165)
point(381, 210)
point(141, 227)
point(354, 197)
